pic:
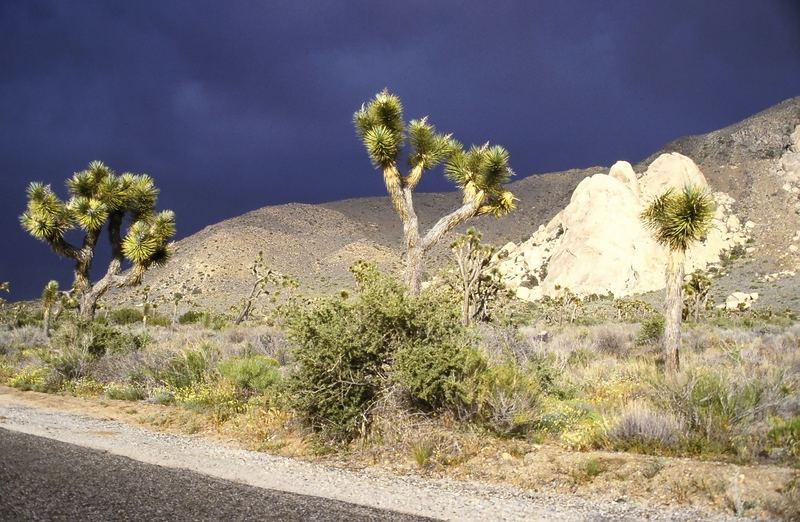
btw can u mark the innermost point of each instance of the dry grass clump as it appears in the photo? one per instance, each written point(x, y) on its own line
point(641, 427)
point(613, 339)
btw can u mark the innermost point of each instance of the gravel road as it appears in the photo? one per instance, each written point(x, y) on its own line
point(194, 472)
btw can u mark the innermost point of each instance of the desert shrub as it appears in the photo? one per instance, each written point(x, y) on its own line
point(220, 398)
point(77, 346)
point(124, 316)
point(191, 317)
point(720, 409)
point(124, 392)
point(437, 376)
point(343, 350)
point(580, 357)
point(641, 428)
point(632, 310)
point(13, 342)
point(159, 320)
point(785, 435)
point(70, 361)
point(97, 338)
point(83, 387)
point(507, 398)
point(611, 340)
point(252, 374)
point(214, 321)
point(189, 366)
point(651, 330)
point(34, 378)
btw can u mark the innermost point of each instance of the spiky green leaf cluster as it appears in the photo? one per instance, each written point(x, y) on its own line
point(50, 293)
point(483, 171)
point(679, 219)
point(46, 218)
point(94, 193)
point(429, 148)
point(380, 126)
point(147, 240)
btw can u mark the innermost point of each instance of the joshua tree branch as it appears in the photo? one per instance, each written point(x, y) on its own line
point(450, 221)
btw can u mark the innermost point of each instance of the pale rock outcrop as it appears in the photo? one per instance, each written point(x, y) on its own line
point(740, 301)
point(623, 171)
point(670, 171)
point(597, 243)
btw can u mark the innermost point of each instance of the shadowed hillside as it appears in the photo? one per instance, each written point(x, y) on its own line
point(317, 243)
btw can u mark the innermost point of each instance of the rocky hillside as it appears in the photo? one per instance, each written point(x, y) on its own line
point(598, 243)
point(755, 162)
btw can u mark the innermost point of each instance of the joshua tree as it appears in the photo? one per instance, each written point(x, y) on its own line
point(3, 288)
point(677, 220)
point(696, 293)
point(479, 282)
point(177, 297)
point(263, 278)
point(50, 296)
point(479, 172)
point(98, 197)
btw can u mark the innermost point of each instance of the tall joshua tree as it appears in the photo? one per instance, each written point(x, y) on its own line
point(50, 296)
point(478, 172)
point(124, 204)
point(677, 220)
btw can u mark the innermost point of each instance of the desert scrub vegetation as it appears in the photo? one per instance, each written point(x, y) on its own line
point(380, 367)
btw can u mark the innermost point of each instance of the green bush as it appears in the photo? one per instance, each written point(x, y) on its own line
point(190, 366)
point(252, 374)
point(125, 316)
point(437, 376)
point(786, 435)
point(720, 410)
point(159, 320)
point(191, 317)
point(507, 398)
point(344, 349)
point(97, 339)
point(32, 379)
point(651, 331)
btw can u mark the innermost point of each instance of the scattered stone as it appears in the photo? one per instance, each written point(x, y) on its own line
point(740, 301)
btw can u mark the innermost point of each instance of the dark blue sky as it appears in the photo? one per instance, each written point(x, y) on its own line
point(236, 105)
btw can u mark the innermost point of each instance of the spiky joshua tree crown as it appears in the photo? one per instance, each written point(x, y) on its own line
point(98, 198)
point(479, 172)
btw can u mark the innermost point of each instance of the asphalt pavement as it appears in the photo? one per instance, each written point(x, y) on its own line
point(44, 479)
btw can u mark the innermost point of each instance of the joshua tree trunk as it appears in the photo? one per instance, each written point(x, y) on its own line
point(413, 276)
point(46, 321)
point(673, 307)
point(245, 313)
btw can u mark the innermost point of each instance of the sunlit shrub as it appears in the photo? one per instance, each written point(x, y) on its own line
point(642, 428)
point(189, 366)
point(344, 349)
point(32, 378)
point(651, 331)
point(252, 374)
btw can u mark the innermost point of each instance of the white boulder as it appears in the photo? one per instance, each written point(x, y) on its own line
point(739, 301)
point(597, 243)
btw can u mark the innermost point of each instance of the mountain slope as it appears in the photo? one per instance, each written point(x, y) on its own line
point(317, 243)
